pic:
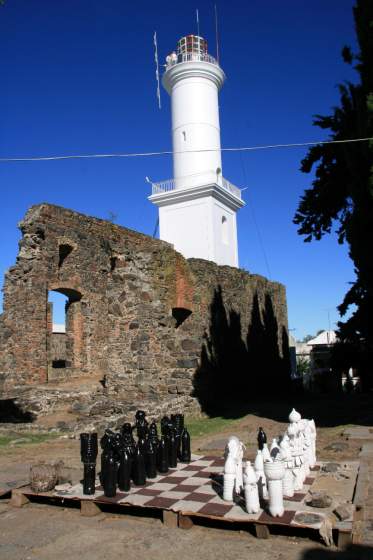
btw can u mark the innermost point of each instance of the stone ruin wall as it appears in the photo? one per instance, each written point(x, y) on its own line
point(138, 312)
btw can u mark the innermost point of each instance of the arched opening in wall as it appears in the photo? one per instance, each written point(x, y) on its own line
point(180, 314)
point(64, 325)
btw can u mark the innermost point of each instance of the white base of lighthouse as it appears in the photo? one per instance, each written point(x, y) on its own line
point(200, 222)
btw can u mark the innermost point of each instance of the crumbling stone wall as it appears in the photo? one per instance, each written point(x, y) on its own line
point(140, 317)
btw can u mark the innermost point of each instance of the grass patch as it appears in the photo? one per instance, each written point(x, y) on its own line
point(17, 440)
point(198, 427)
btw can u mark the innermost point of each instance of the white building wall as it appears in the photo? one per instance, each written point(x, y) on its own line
point(204, 228)
point(187, 225)
point(195, 126)
point(224, 234)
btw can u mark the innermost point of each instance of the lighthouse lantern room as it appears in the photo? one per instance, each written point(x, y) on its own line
point(197, 208)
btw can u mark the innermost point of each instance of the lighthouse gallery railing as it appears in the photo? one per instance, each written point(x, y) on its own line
point(170, 185)
point(192, 57)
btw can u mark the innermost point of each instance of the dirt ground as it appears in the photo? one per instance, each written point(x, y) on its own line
point(39, 531)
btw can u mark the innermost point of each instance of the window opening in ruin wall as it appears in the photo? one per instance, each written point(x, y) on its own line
point(65, 328)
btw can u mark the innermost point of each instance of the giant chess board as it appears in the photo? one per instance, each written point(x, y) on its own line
point(195, 489)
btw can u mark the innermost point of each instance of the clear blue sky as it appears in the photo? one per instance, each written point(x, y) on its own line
point(78, 77)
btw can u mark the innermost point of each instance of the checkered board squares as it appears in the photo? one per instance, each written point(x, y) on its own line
point(196, 488)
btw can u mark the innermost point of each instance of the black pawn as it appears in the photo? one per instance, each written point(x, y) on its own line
point(163, 456)
point(153, 431)
point(153, 436)
point(262, 438)
point(124, 473)
point(185, 447)
point(142, 445)
point(139, 473)
point(164, 425)
point(172, 450)
point(109, 475)
point(151, 461)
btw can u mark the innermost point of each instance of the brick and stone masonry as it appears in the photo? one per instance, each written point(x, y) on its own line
point(140, 318)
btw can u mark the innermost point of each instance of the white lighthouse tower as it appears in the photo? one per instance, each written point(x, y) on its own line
point(197, 208)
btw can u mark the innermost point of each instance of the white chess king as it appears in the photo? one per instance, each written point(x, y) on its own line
point(197, 208)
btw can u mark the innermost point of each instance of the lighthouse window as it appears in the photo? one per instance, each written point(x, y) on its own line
point(224, 230)
point(184, 135)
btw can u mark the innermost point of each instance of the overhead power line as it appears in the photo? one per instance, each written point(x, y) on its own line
point(170, 152)
point(256, 225)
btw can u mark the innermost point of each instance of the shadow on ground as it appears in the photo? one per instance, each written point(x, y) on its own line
point(326, 410)
point(353, 552)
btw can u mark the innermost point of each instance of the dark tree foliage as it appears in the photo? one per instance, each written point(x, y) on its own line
point(342, 192)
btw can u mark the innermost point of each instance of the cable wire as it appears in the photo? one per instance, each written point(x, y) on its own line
point(251, 206)
point(170, 152)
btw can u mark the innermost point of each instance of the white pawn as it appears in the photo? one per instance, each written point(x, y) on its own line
point(260, 476)
point(266, 454)
point(251, 489)
point(275, 450)
point(229, 478)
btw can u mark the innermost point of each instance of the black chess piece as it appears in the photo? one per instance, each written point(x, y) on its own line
point(88, 453)
point(89, 478)
point(262, 438)
point(128, 442)
point(153, 435)
point(165, 424)
point(124, 472)
point(162, 456)
point(126, 429)
point(186, 455)
point(172, 449)
point(138, 471)
point(179, 422)
point(107, 439)
point(150, 460)
point(153, 430)
point(109, 474)
point(142, 445)
point(88, 447)
point(141, 424)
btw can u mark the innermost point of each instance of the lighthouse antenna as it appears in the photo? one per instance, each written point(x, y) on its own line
point(217, 33)
point(157, 69)
point(197, 18)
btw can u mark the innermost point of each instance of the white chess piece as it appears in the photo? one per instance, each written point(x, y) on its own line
point(294, 416)
point(306, 446)
point(313, 440)
point(229, 478)
point(292, 432)
point(288, 480)
point(251, 489)
point(275, 450)
point(260, 476)
point(233, 468)
point(266, 454)
point(275, 473)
